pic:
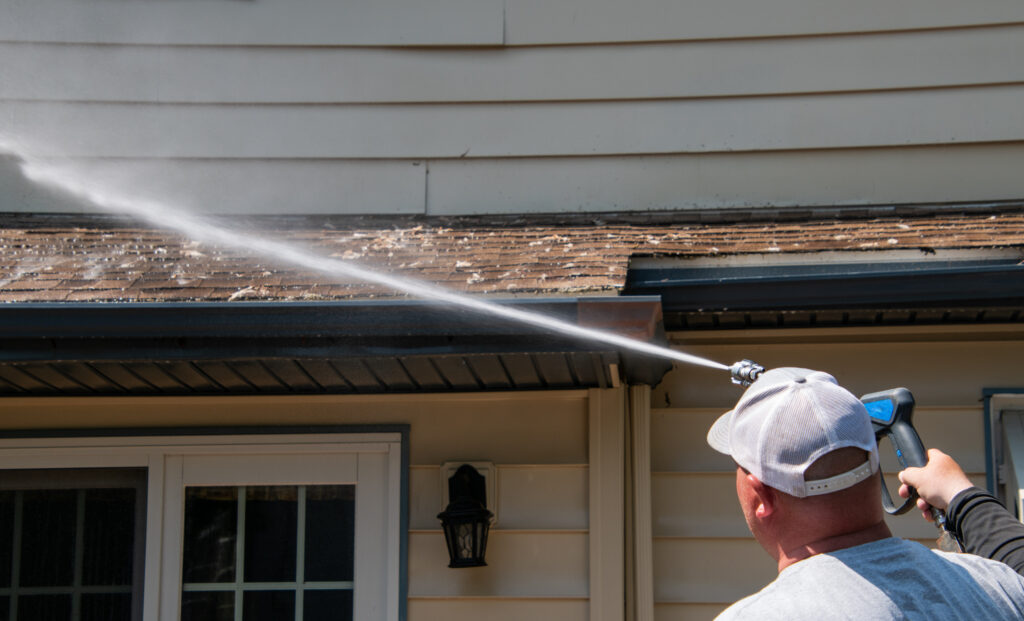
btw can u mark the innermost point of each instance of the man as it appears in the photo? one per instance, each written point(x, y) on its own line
point(807, 483)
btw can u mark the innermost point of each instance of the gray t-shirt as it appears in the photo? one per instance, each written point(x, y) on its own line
point(887, 579)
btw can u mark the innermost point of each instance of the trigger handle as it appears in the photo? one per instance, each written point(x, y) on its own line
point(906, 458)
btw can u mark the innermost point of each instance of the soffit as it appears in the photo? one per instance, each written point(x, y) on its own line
point(317, 348)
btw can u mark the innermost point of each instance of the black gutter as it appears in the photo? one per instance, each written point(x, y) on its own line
point(837, 287)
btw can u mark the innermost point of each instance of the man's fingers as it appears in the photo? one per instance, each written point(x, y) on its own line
point(926, 509)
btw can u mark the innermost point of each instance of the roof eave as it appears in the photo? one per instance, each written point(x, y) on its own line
point(62, 341)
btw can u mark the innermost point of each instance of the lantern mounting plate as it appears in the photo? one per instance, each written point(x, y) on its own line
point(486, 469)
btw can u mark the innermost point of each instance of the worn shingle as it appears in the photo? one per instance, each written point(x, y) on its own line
point(46, 258)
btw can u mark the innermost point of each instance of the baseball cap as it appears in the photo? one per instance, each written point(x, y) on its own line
point(789, 418)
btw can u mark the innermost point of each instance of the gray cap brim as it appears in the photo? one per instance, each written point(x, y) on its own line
point(718, 435)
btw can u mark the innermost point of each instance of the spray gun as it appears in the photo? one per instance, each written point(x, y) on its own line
point(891, 412)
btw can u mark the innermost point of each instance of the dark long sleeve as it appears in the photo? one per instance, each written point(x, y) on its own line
point(986, 528)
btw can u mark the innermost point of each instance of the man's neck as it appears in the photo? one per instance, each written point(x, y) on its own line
point(832, 543)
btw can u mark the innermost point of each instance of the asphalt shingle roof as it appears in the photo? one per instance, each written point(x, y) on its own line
point(46, 258)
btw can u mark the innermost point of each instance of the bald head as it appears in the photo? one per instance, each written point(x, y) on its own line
point(792, 528)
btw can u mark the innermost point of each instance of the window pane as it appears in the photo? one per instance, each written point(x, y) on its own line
point(6, 540)
point(327, 606)
point(270, 533)
point(211, 516)
point(76, 532)
point(330, 532)
point(44, 607)
point(48, 538)
point(207, 606)
point(268, 606)
point(5, 608)
point(109, 536)
point(106, 607)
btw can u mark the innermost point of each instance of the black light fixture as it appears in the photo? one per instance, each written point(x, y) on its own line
point(466, 519)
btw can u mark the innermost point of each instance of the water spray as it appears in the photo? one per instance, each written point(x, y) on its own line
point(166, 216)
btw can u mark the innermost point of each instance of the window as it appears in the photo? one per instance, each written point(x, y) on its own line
point(273, 552)
point(70, 544)
point(202, 528)
point(1004, 434)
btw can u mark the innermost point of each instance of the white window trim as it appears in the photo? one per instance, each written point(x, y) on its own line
point(1013, 459)
point(165, 458)
point(1006, 447)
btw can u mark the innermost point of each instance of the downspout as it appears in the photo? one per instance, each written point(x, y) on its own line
point(640, 578)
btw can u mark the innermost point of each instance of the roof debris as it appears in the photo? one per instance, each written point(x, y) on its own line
point(106, 259)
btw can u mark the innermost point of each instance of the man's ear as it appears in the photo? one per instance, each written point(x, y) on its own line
point(767, 497)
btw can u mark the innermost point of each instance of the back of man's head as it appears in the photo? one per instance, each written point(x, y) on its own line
point(807, 457)
point(786, 422)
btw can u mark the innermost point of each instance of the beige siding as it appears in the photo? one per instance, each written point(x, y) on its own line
point(721, 180)
point(529, 130)
point(538, 552)
point(638, 71)
point(519, 564)
point(561, 489)
point(686, 612)
point(295, 22)
point(544, 21)
point(448, 107)
point(498, 609)
point(475, 22)
point(462, 186)
point(253, 186)
point(704, 555)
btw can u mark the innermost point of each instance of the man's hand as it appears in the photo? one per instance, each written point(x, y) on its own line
point(936, 483)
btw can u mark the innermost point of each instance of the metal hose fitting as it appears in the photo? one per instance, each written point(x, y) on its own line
point(745, 372)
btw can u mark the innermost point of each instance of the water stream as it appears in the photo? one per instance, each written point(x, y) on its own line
point(163, 216)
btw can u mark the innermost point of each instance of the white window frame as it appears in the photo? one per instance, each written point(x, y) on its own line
point(1004, 430)
point(373, 461)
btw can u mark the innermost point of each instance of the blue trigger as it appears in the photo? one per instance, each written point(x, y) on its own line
point(882, 411)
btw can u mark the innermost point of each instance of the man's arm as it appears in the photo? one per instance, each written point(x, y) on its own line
point(975, 517)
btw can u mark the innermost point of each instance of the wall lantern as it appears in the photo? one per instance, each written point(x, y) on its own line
point(466, 519)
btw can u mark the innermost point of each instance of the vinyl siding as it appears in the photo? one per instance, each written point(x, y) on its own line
point(537, 21)
point(704, 555)
point(538, 559)
point(456, 107)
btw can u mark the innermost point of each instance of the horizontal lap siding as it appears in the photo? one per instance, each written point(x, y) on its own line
point(538, 552)
point(295, 22)
point(833, 177)
point(477, 22)
point(575, 21)
point(365, 120)
point(639, 71)
point(465, 186)
point(560, 489)
point(518, 565)
point(499, 609)
point(524, 130)
point(704, 555)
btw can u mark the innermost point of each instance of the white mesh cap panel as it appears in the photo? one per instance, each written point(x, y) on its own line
point(788, 419)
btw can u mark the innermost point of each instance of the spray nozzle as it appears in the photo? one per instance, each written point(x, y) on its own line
point(745, 372)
